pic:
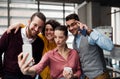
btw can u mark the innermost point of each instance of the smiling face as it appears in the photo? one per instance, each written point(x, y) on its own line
point(35, 26)
point(72, 26)
point(49, 32)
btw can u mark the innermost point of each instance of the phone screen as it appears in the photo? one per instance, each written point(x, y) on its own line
point(27, 48)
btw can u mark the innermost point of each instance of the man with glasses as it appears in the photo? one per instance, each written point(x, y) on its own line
point(90, 44)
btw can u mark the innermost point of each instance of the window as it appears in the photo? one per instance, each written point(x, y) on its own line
point(21, 10)
point(116, 24)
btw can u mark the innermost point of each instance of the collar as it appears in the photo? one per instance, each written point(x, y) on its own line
point(78, 35)
point(25, 38)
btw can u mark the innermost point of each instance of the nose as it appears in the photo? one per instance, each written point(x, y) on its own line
point(48, 31)
point(70, 28)
point(37, 29)
point(57, 40)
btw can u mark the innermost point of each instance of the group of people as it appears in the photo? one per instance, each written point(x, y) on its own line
point(50, 51)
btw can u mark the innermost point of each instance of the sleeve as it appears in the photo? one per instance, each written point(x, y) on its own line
point(41, 36)
point(22, 25)
point(43, 63)
point(101, 40)
point(3, 45)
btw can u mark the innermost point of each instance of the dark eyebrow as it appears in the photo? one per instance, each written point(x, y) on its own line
point(68, 26)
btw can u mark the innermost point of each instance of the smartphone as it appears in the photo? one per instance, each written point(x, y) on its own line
point(68, 69)
point(27, 48)
point(83, 31)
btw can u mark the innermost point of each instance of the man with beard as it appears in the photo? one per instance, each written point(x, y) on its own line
point(11, 46)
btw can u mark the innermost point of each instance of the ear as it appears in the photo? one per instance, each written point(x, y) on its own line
point(29, 21)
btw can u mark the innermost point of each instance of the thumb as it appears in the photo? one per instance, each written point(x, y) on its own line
point(16, 30)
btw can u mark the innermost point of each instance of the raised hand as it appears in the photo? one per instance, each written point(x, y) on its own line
point(15, 26)
point(24, 67)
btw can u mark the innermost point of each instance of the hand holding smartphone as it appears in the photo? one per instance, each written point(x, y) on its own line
point(27, 48)
point(68, 69)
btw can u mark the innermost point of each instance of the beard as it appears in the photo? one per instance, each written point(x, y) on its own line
point(30, 34)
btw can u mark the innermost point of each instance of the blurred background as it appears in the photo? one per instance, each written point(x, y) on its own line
point(103, 15)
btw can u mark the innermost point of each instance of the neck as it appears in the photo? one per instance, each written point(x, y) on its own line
point(63, 49)
point(28, 33)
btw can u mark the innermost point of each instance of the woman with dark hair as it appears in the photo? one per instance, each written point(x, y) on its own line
point(49, 43)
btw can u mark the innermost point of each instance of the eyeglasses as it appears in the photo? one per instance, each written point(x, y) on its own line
point(72, 24)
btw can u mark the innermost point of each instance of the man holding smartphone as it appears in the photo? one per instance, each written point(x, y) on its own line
point(11, 46)
point(90, 44)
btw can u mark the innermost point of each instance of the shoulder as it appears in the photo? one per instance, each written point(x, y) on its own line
point(53, 51)
point(73, 52)
point(50, 53)
point(39, 39)
point(39, 43)
point(40, 35)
